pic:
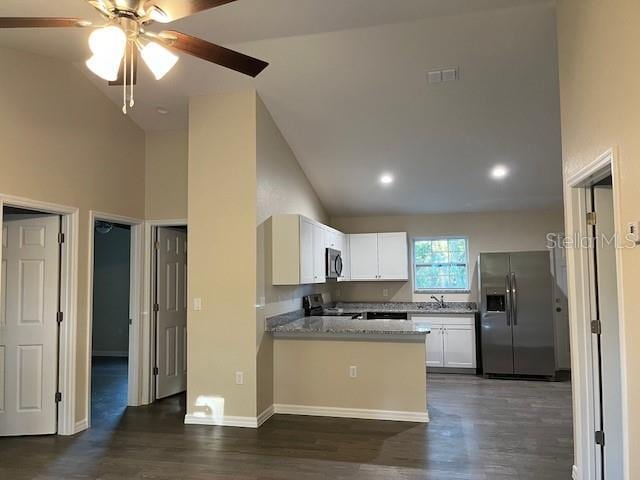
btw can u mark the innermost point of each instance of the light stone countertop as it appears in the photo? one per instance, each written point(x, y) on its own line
point(344, 326)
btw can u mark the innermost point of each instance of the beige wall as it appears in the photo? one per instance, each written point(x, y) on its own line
point(63, 141)
point(222, 254)
point(391, 375)
point(600, 101)
point(166, 158)
point(282, 188)
point(487, 232)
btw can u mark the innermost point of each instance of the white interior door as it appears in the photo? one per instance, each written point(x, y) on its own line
point(607, 305)
point(28, 326)
point(393, 261)
point(171, 315)
point(363, 254)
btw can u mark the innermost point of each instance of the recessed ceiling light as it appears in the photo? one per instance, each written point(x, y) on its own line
point(499, 172)
point(386, 179)
point(162, 110)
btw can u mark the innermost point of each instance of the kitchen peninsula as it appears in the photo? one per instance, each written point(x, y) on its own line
point(343, 367)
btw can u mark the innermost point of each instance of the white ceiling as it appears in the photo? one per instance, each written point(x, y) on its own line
point(347, 86)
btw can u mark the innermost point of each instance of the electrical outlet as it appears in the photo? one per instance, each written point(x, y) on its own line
point(385, 292)
point(239, 378)
point(353, 371)
point(197, 304)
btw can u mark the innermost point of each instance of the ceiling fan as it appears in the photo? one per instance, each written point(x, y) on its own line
point(115, 45)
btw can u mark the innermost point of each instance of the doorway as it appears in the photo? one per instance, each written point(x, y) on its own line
point(606, 339)
point(169, 300)
point(111, 321)
point(594, 256)
point(30, 321)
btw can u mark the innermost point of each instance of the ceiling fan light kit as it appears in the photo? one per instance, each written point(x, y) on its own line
point(116, 44)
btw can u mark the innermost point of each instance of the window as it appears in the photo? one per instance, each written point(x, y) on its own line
point(441, 264)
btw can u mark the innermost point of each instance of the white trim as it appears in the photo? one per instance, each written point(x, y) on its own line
point(574, 473)
point(594, 171)
point(135, 301)
point(266, 414)
point(110, 353)
point(314, 411)
point(580, 308)
point(147, 347)
point(227, 421)
point(80, 425)
point(68, 303)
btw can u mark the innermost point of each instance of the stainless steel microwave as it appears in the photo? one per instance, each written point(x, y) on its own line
point(334, 263)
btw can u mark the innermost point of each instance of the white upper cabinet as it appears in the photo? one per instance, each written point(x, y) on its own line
point(299, 248)
point(379, 256)
point(393, 259)
point(319, 255)
point(307, 265)
point(363, 254)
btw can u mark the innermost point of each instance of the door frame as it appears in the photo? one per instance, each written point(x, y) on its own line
point(68, 305)
point(581, 308)
point(148, 392)
point(135, 304)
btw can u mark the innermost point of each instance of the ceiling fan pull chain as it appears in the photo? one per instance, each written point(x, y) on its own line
point(131, 100)
point(124, 83)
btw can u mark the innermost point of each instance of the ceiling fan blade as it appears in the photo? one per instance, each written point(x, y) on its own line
point(41, 22)
point(120, 80)
point(176, 9)
point(213, 53)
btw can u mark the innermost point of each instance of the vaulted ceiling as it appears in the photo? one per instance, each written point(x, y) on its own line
point(348, 87)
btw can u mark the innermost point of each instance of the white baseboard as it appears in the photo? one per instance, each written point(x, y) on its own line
point(395, 415)
point(574, 473)
point(227, 421)
point(109, 353)
point(266, 415)
point(80, 426)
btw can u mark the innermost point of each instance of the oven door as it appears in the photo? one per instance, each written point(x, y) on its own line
point(334, 264)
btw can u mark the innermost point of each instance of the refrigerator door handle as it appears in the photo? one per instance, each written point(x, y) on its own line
point(507, 287)
point(514, 299)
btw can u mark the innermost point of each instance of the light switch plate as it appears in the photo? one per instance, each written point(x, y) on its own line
point(197, 304)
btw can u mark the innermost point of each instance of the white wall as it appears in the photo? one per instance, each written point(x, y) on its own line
point(600, 100)
point(63, 141)
point(487, 232)
point(111, 292)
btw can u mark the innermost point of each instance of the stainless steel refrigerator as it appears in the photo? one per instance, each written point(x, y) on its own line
point(517, 330)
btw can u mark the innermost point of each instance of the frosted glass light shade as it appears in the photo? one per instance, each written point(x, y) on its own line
point(110, 41)
point(104, 67)
point(108, 45)
point(158, 59)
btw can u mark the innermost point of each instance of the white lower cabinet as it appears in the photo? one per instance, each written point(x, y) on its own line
point(452, 341)
point(435, 347)
point(459, 346)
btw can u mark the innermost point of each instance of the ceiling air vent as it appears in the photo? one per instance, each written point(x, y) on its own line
point(443, 76)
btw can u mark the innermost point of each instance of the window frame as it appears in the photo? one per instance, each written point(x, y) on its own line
point(465, 289)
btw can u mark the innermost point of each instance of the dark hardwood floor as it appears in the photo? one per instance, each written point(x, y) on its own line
point(480, 429)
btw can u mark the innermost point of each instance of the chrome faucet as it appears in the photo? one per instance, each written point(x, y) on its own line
point(439, 301)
